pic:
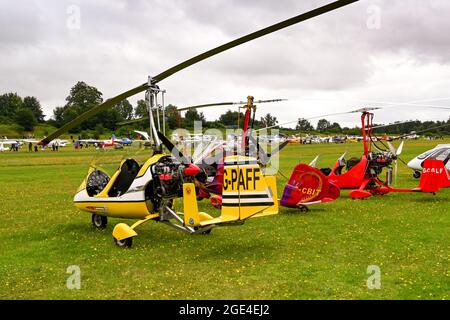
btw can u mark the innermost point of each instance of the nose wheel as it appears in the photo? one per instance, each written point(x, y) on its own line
point(302, 208)
point(416, 174)
point(125, 243)
point(99, 221)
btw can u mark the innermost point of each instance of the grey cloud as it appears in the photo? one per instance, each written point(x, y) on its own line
point(122, 42)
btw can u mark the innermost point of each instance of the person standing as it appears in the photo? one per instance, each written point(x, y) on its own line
point(30, 147)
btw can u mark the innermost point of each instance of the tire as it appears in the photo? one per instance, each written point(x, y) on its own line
point(417, 174)
point(125, 243)
point(99, 221)
point(303, 208)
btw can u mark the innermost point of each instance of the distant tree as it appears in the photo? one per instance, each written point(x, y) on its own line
point(141, 109)
point(230, 118)
point(9, 104)
point(335, 128)
point(323, 125)
point(82, 98)
point(99, 130)
point(125, 109)
point(268, 121)
point(173, 117)
point(58, 116)
point(304, 125)
point(25, 118)
point(34, 105)
point(193, 115)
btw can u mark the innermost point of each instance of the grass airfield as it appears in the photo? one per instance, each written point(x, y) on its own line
point(323, 254)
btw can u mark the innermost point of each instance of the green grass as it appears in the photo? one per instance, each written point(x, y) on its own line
point(320, 255)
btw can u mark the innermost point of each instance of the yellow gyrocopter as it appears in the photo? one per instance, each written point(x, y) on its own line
point(146, 192)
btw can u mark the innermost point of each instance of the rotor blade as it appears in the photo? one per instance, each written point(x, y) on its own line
point(278, 148)
point(420, 131)
point(226, 104)
point(171, 147)
point(311, 118)
point(255, 35)
point(392, 124)
point(167, 73)
point(92, 112)
point(132, 121)
point(262, 155)
point(206, 105)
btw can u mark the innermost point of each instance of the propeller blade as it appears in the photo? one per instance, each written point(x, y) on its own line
point(395, 171)
point(400, 148)
point(314, 162)
point(173, 150)
point(183, 65)
point(343, 156)
point(391, 148)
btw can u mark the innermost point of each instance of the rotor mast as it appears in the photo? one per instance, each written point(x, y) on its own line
point(151, 98)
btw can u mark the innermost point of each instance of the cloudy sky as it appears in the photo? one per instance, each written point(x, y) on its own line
point(369, 53)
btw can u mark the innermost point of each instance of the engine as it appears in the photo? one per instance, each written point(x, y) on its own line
point(378, 161)
point(168, 175)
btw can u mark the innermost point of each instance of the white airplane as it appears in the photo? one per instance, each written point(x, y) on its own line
point(3, 148)
point(56, 142)
point(5, 144)
point(100, 143)
point(440, 152)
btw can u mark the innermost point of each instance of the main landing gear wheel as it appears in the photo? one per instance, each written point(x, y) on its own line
point(204, 233)
point(99, 221)
point(416, 174)
point(302, 208)
point(125, 243)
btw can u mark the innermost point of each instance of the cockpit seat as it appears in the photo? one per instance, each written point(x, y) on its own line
point(128, 171)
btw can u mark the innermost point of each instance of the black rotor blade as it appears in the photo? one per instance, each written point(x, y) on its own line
point(278, 149)
point(163, 75)
point(206, 106)
point(132, 121)
point(173, 150)
point(226, 104)
point(262, 154)
point(92, 112)
point(255, 35)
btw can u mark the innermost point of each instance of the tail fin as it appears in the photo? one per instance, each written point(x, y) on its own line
point(113, 138)
point(434, 176)
point(245, 189)
point(308, 184)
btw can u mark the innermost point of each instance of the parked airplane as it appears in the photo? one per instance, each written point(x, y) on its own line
point(440, 152)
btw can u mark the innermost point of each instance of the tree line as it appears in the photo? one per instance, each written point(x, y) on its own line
point(27, 112)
